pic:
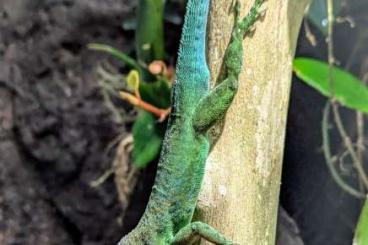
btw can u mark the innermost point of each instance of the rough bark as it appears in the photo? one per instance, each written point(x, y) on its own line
point(242, 182)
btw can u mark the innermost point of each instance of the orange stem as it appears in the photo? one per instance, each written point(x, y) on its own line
point(160, 113)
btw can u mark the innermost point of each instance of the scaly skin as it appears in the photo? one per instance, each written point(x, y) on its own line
point(168, 216)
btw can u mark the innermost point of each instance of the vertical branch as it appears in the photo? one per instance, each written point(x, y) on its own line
point(360, 133)
point(150, 32)
point(330, 45)
point(242, 181)
point(360, 138)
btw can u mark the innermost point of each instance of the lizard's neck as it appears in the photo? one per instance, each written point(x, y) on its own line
point(192, 50)
point(192, 72)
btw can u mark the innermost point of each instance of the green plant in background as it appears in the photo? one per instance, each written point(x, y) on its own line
point(150, 31)
point(148, 84)
point(346, 89)
point(351, 92)
point(148, 129)
point(343, 87)
point(361, 234)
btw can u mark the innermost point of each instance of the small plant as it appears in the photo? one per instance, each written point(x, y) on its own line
point(147, 85)
point(348, 90)
point(361, 234)
point(152, 100)
point(351, 92)
point(342, 88)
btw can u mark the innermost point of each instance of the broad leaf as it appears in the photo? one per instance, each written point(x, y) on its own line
point(156, 93)
point(361, 232)
point(115, 53)
point(148, 135)
point(348, 90)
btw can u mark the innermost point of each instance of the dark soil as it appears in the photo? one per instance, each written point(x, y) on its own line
point(55, 126)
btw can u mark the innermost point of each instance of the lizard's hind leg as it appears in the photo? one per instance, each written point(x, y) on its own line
point(200, 230)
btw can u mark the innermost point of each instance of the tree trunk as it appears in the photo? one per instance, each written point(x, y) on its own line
point(241, 187)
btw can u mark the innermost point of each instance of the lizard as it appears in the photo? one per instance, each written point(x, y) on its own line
point(167, 219)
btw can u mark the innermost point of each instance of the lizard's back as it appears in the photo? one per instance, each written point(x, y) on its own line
point(184, 152)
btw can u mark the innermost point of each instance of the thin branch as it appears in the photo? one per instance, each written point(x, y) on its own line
point(116, 53)
point(309, 34)
point(360, 136)
point(340, 126)
point(330, 45)
point(349, 145)
point(360, 131)
point(360, 141)
point(329, 159)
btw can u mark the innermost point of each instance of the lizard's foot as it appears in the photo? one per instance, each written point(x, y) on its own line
point(245, 25)
point(200, 230)
point(236, 9)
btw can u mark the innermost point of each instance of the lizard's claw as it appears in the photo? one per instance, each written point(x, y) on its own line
point(236, 10)
point(251, 31)
point(262, 11)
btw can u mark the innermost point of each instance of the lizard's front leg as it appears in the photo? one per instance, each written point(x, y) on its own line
point(214, 106)
point(197, 229)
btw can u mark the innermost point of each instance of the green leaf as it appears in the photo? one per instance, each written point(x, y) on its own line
point(149, 34)
point(348, 90)
point(361, 232)
point(115, 53)
point(133, 80)
point(318, 13)
point(147, 135)
point(157, 93)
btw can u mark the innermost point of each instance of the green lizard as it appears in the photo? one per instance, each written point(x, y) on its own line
point(168, 215)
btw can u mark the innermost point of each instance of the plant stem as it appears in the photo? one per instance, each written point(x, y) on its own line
point(330, 45)
point(349, 145)
point(329, 159)
point(337, 118)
